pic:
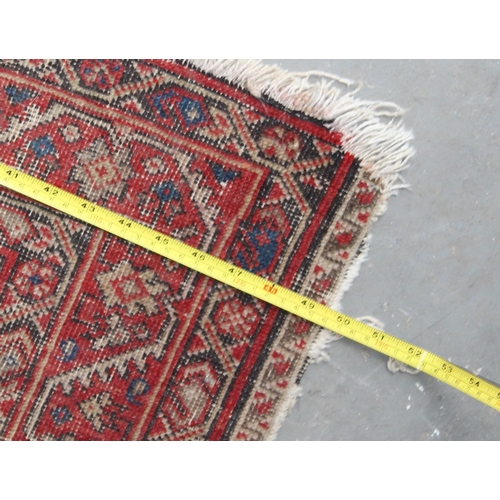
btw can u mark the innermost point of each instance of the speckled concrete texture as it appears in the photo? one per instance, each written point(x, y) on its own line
point(433, 269)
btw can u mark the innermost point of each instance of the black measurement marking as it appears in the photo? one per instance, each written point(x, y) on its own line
point(474, 382)
point(346, 321)
point(51, 190)
point(378, 336)
point(125, 223)
point(88, 206)
point(163, 239)
point(446, 368)
point(198, 255)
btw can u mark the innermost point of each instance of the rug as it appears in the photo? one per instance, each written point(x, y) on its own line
point(101, 340)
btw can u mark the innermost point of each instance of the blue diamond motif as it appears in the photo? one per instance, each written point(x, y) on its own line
point(60, 415)
point(17, 95)
point(222, 175)
point(42, 146)
point(192, 111)
point(36, 280)
point(167, 191)
point(69, 349)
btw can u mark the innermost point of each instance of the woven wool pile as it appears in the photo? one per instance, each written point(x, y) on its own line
point(101, 340)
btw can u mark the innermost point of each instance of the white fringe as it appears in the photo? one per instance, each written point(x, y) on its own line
point(382, 146)
point(371, 130)
point(394, 366)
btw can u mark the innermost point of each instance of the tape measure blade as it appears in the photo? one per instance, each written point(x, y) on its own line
point(226, 272)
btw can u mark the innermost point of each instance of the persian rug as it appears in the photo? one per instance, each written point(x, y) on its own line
point(101, 340)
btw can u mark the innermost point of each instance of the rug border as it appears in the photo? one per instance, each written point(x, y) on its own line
point(371, 130)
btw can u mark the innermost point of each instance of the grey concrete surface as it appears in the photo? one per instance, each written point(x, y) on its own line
point(433, 272)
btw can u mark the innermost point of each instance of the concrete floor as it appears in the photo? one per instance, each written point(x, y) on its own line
point(433, 274)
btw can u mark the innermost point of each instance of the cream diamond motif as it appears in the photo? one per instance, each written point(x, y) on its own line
point(132, 289)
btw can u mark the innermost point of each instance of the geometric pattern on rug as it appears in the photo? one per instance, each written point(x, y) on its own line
point(101, 340)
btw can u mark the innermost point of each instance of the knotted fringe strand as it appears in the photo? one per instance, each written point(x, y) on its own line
point(371, 130)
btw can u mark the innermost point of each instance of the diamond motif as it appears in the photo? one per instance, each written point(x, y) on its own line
point(132, 289)
point(35, 280)
point(106, 171)
point(236, 319)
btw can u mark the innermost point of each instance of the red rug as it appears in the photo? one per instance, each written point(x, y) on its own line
point(101, 340)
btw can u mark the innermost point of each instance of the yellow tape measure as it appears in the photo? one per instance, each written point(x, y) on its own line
point(252, 284)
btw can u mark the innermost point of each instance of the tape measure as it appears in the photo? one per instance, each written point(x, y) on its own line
point(236, 277)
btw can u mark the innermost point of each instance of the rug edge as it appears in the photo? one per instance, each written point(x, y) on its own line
point(382, 147)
